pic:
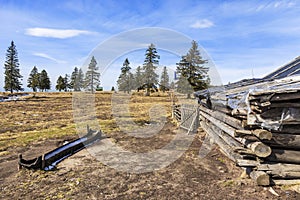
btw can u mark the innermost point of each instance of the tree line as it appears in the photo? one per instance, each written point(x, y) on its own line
point(191, 71)
point(90, 81)
point(41, 81)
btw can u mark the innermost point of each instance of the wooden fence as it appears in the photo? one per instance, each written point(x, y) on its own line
point(188, 116)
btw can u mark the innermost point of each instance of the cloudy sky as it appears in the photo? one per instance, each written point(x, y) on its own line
point(242, 38)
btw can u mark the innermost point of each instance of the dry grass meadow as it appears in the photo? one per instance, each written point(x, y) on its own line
point(50, 115)
point(41, 122)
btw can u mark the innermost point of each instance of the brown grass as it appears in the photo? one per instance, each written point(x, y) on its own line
point(50, 115)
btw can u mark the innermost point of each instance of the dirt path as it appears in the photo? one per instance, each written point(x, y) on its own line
point(81, 176)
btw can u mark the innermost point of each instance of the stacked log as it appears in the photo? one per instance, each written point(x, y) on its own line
point(257, 126)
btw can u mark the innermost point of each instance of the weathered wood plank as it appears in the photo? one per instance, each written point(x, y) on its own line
point(286, 182)
point(284, 156)
point(285, 141)
point(223, 117)
point(259, 133)
point(258, 148)
point(286, 175)
point(227, 138)
point(226, 149)
point(279, 167)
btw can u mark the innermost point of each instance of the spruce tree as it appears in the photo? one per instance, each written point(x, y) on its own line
point(138, 78)
point(92, 77)
point(125, 80)
point(79, 83)
point(13, 78)
point(33, 79)
point(73, 78)
point(183, 86)
point(149, 67)
point(164, 80)
point(76, 80)
point(172, 85)
point(191, 66)
point(67, 83)
point(60, 84)
point(44, 82)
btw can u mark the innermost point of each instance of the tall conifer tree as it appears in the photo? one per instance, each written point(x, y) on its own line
point(149, 67)
point(13, 78)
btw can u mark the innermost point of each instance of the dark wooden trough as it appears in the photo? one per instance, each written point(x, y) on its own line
point(49, 160)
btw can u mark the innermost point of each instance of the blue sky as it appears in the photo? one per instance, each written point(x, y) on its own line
point(242, 38)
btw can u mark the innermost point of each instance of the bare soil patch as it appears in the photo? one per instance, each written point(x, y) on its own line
point(81, 176)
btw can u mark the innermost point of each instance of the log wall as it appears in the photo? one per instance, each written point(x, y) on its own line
point(256, 126)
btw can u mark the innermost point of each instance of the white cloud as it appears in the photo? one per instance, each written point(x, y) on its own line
point(55, 33)
point(203, 23)
point(275, 5)
point(43, 55)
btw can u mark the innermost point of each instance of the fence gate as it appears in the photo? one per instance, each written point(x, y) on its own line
point(189, 117)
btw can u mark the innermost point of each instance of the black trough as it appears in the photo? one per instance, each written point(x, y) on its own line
point(49, 160)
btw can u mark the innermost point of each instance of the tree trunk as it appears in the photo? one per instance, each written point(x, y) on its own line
point(92, 83)
point(147, 91)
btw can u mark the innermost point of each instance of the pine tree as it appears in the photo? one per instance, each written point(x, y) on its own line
point(172, 85)
point(79, 84)
point(92, 77)
point(125, 80)
point(60, 84)
point(33, 79)
point(164, 80)
point(138, 78)
point(76, 79)
point(12, 74)
point(149, 67)
point(73, 78)
point(44, 82)
point(191, 66)
point(183, 86)
point(67, 83)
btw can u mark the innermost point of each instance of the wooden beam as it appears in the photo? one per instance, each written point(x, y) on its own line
point(258, 148)
point(247, 163)
point(287, 96)
point(286, 175)
point(227, 138)
point(223, 117)
point(285, 141)
point(279, 167)
point(262, 134)
point(228, 129)
point(228, 151)
point(284, 156)
point(261, 178)
point(259, 133)
point(239, 112)
point(286, 182)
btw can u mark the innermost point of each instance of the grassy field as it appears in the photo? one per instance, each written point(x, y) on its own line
point(41, 122)
point(50, 115)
